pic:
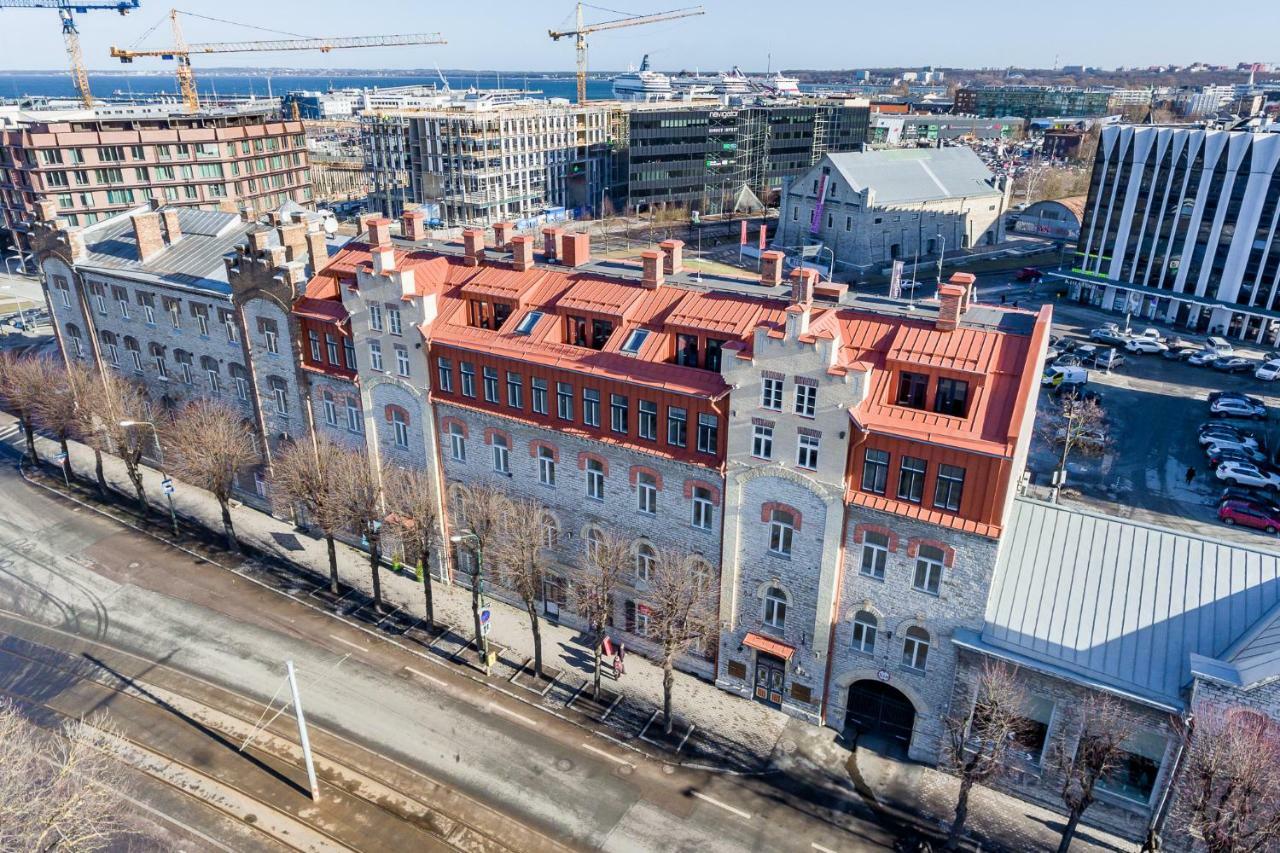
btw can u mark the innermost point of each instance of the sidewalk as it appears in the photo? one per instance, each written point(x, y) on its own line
point(715, 730)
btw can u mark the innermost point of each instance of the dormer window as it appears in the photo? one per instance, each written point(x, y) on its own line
point(714, 348)
point(528, 322)
point(635, 340)
point(501, 311)
point(687, 350)
point(600, 332)
point(952, 398)
point(912, 389)
point(576, 331)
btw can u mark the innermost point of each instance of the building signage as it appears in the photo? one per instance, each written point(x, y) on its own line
point(883, 675)
point(724, 114)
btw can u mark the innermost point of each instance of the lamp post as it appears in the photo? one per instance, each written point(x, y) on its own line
point(477, 588)
point(942, 253)
point(173, 516)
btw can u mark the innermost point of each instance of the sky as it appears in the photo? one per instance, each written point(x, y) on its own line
point(813, 34)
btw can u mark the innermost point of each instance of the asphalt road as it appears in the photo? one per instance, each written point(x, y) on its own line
point(94, 580)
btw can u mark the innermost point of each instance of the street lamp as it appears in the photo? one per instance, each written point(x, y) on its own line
point(173, 516)
point(477, 588)
point(941, 254)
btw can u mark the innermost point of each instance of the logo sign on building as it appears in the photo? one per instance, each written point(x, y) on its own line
point(815, 222)
point(742, 240)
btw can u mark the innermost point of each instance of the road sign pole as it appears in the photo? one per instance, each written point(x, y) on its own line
point(302, 733)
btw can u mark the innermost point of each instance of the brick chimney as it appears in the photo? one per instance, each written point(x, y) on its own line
point(259, 240)
point(967, 281)
point(294, 239)
point(317, 248)
point(172, 227)
point(771, 268)
point(653, 275)
point(803, 281)
point(384, 255)
point(672, 256)
point(362, 224)
point(379, 231)
point(413, 225)
point(146, 230)
point(473, 246)
point(950, 307)
point(502, 234)
point(577, 248)
point(47, 210)
point(522, 252)
point(551, 242)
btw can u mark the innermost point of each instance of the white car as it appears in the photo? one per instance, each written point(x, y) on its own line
point(1268, 372)
point(1245, 474)
point(1208, 355)
point(1215, 450)
point(1233, 407)
point(1145, 345)
point(1150, 334)
point(1226, 438)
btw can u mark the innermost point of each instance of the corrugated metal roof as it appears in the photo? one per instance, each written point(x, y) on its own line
point(1119, 602)
point(915, 174)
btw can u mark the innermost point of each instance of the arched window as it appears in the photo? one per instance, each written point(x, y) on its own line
point(400, 426)
point(864, 632)
point(354, 422)
point(111, 346)
point(279, 393)
point(929, 562)
point(594, 539)
point(775, 608)
point(183, 358)
point(209, 365)
point(241, 377)
point(73, 338)
point(915, 648)
point(595, 479)
point(782, 529)
point(550, 531)
point(457, 439)
point(330, 410)
point(701, 572)
point(645, 557)
point(501, 454)
point(157, 355)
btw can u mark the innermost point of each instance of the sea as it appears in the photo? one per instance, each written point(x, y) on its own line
point(263, 84)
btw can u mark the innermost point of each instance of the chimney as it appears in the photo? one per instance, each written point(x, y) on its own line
point(413, 225)
point(653, 275)
point(155, 203)
point(522, 252)
point(384, 254)
point(473, 246)
point(797, 321)
point(502, 234)
point(803, 281)
point(551, 242)
point(259, 241)
point(146, 230)
point(577, 248)
point(950, 307)
point(317, 249)
point(965, 280)
point(362, 224)
point(771, 268)
point(294, 239)
point(172, 228)
point(673, 256)
point(380, 231)
point(47, 210)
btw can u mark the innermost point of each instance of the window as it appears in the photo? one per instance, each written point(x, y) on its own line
point(157, 355)
point(444, 374)
point(687, 350)
point(278, 392)
point(677, 426)
point(550, 531)
point(546, 466)
point(771, 393)
point(806, 400)
point(591, 407)
point(708, 433)
point(775, 608)
point(618, 413)
point(762, 441)
point(915, 648)
point(911, 479)
point(315, 345)
point(634, 341)
point(949, 487)
point(928, 576)
point(539, 395)
point(242, 381)
point(1033, 734)
point(952, 398)
point(527, 322)
point(715, 349)
point(64, 292)
point(875, 553)
point(647, 424)
point(703, 508)
point(349, 353)
point(1134, 775)
point(354, 422)
point(402, 360)
point(375, 356)
point(148, 303)
point(593, 542)
point(457, 442)
point(268, 330)
point(99, 297)
point(331, 349)
point(864, 632)
point(807, 451)
point(468, 371)
point(577, 331)
point(782, 530)
point(600, 332)
point(229, 323)
point(645, 557)
point(875, 471)
point(490, 376)
point(330, 410)
point(400, 428)
point(121, 296)
point(564, 401)
point(375, 317)
point(912, 388)
point(647, 494)
point(393, 320)
point(135, 353)
point(113, 352)
point(595, 480)
point(201, 315)
point(501, 454)
point(77, 346)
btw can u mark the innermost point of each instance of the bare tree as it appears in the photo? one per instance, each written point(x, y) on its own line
point(980, 741)
point(61, 408)
point(522, 564)
point(362, 505)
point(412, 502)
point(21, 387)
point(60, 790)
point(122, 406)
point(1093, 754)
point(1228, 794)
point(1080, 426)
point(682, 613)
point(480, 511)
point(596, 577)
point(306, 475)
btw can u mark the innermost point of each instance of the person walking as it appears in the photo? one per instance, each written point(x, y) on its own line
point(618, 669)
point(1191, 474)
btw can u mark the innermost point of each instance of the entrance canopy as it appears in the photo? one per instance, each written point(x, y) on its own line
point(768, 646)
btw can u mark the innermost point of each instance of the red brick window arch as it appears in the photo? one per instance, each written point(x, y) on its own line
point(493, 432)
point(395, 413)
point(537, 444)
point(948, 553)
point(447, 426)
point(637, 470)
point(860, 532)
point(585, 455)
point(690, 485)
point(767, 510)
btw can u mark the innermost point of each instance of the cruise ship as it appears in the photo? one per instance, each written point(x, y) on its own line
point(786, 87)
point(642, 84)
point(648, 85)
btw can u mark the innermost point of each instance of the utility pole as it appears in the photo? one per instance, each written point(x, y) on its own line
point(302, 733)
point(942, 252)
point(167, 483)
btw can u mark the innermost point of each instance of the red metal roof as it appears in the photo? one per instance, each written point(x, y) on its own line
point(593, 295)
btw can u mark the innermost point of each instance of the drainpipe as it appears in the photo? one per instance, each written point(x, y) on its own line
point(1152, 841)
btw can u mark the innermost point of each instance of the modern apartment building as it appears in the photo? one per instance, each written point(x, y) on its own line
point(1181, 226)
point(97, 163)
point(915, 129)
point(1031, 101)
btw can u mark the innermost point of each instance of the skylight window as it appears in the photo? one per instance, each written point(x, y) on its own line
point(634, 341)
point(528, 322)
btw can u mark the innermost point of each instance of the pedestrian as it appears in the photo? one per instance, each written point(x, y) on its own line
point(1191, 474)
point(618, 670)
point(622, 651)
point(1002, 298)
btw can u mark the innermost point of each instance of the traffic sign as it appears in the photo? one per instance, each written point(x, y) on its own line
point(61, 457)
point(167, 485)
point(484, 629)
point(484, 617)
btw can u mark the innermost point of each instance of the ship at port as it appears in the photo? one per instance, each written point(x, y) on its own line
point(642, 84)
point(645, 84)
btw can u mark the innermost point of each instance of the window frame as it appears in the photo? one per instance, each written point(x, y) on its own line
point(771, 393)
point(782, 533)
point(863, 634)
point(806, 400)
point(774, 610)
point(911, 479)
point(915, 649)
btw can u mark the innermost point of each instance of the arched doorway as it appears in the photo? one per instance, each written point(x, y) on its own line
point(879, 710)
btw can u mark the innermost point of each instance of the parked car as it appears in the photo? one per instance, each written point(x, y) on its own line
point(1230, 434)
point(1065, 377)
point(1246, 474)
point(1249, 496)
point(1234, 364)
point(1230, 407)
point(1215, 396)
point(1237, 442)
point(1093, 439)
point(1248, 515)
point(1179, 350)
point(1150, 334)
point(1205, 356)
point(1268, 371)
point(1110, 335)
point(1142, 345)
point(1028, 274)
point(1222, 345)
point(1068, 359)
point(1217, 455)
point(1107, 359)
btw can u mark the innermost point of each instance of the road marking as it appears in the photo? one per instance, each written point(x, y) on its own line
point(821, 849)
point(431, 678)
point(513, 715)
point(604, 754)
point(739, 812)
point(348, 643)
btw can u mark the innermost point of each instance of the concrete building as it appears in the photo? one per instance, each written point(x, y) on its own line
point(1180, 226)
point(869, 209)
point(1056, 220)
point(96, 163)
point(1031, 101)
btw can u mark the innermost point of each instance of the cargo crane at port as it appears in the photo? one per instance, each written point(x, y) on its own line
point(181, 51)
point(70, 34)
point(581, 31)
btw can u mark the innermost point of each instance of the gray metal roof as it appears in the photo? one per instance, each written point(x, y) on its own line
point(1122, 603)
point(195, 261)
point(901, 176)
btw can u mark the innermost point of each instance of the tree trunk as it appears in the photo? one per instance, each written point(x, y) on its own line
point(29, 429)
point(475, 607)
point(428, 594)
point(595, 653)
point(99, 473)
point(135, 476)
point(534, 625)
point(961, 813)
point(1069, 832)
point(668, 682)
point(375, 562)
point(333, 562)
point(67, 471)
point(227, 527)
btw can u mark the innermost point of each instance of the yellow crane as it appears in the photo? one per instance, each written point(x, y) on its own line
point(181, 51)
point(581, 31)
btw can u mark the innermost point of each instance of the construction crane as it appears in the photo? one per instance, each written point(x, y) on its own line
point(581, 31)
point(181, 51)
point(71, 35)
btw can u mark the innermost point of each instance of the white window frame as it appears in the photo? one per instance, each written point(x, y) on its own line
point(645, 558)
point(771, 393)
point(375, 355)
point(330, 411)
point(400, 427)
point(761, 441)
point(915, 650)
point(807, 451)
point(393, 321)
point(774, 613)
point(595, 480)
point(703, 508)
point(863, 634)
point(782, 534)
point(647, 494)
point(876, 555)
point(546, 467)
point(457, 443)
point(806, 400)
point(375, 318)
point(927, 576)
point(501, 455)
point(402, 361)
